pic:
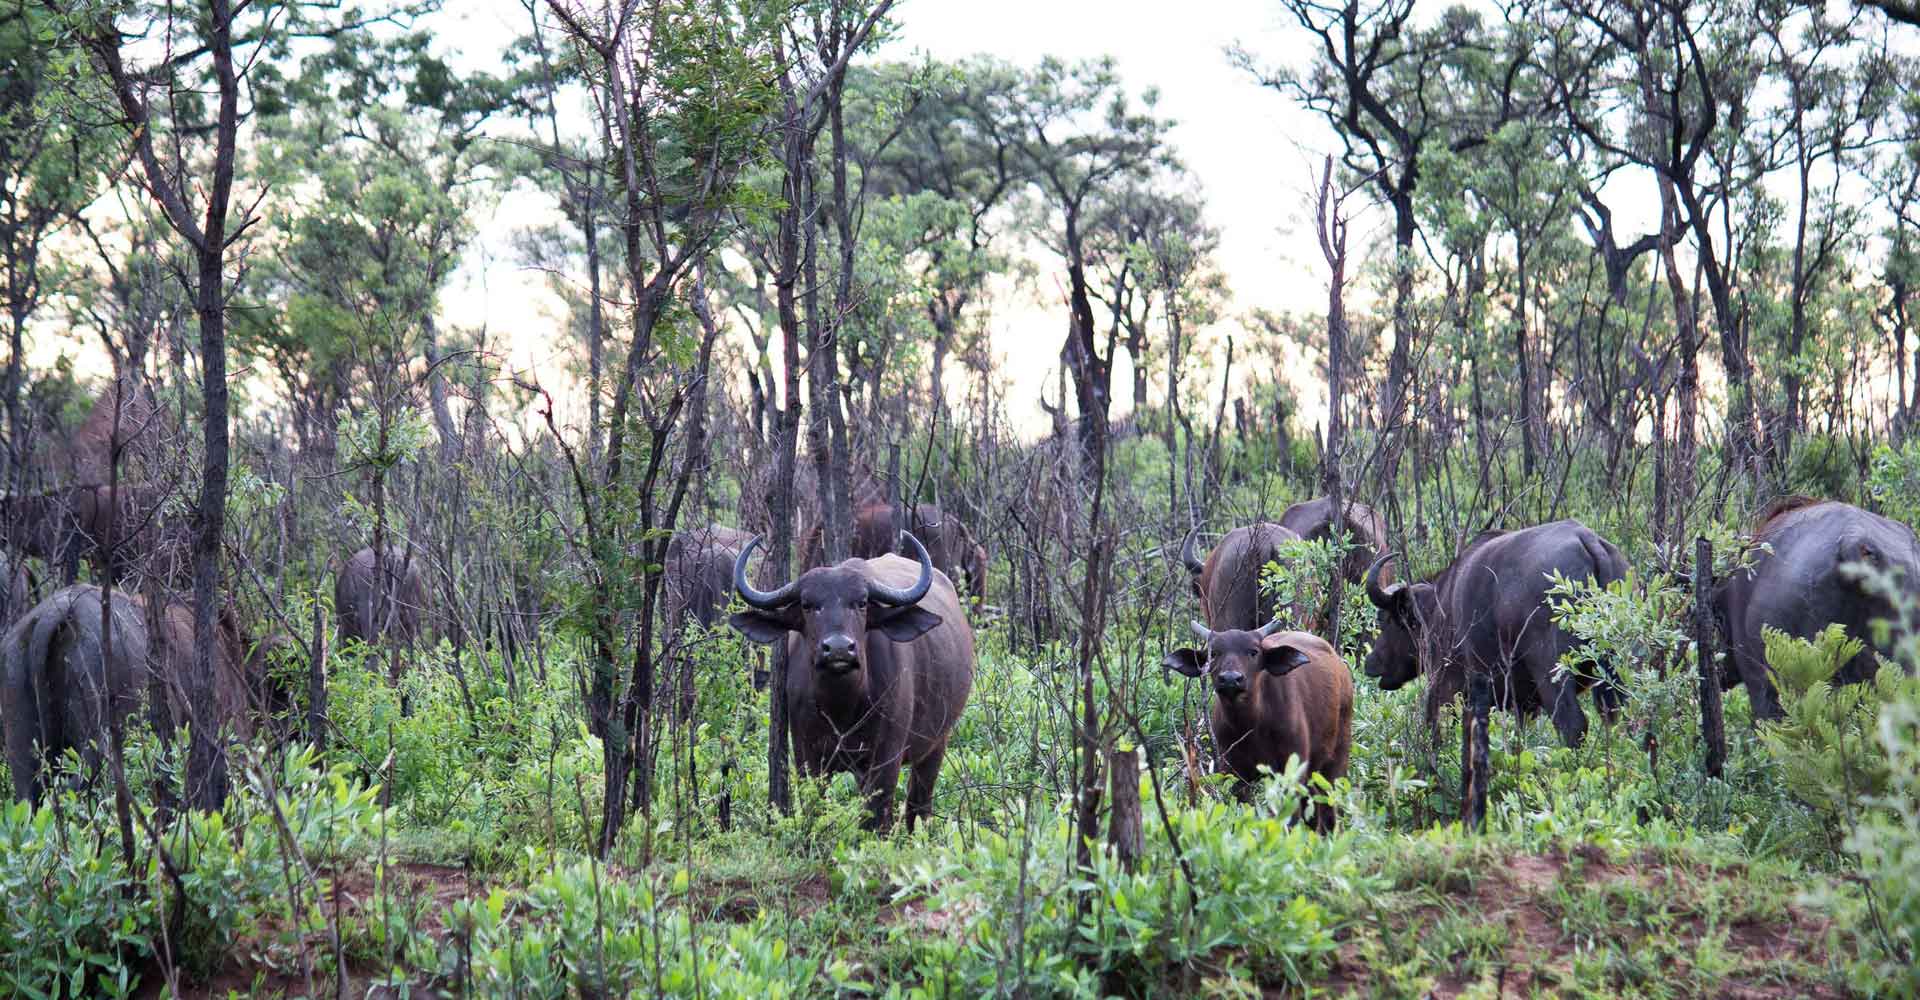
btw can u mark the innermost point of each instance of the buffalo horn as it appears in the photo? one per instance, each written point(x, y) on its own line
point(1205, 633)
point(765, 600)
point(883, 594)
point(1269, 628)
point(1192, 562)
point(1380, 598)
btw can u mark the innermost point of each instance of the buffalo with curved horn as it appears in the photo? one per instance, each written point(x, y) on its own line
point(1228, 581)
point(879, 666)
point(1488, 611)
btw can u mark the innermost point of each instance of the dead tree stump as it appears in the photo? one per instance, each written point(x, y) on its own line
point(1124, 831)
point(1476, 767)
point(1713, 728)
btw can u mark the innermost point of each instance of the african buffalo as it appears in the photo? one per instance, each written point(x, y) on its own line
point(1366, 530)
point(879, 665)
point(699, 572)
point(698, 585)
point(876, 531)
point(66, 525)
point(58, 683)
point(952, 546)
point(124, 426)
point(1228, 582)
point(1807, 583)
point(1276, 695)
point(391, 609)
point(1488, 611)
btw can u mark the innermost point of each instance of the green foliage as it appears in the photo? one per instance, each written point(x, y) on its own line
point(520, 770)
point(1826, 745)
point(69, 927)
point(1298, 582)
point(79, 923)
point(1887, 841)
point(1894, 482)
point(1823, 466)
point(581, 930)
point(383, 440)
point(1260, 895)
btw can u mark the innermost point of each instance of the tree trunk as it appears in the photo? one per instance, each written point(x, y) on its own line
point(1476, 765)
point(1681, 477)
point(1333, 246)
point(1092, 374)
point(1400, 362)
point(596, 324)
point(443, 423)
point(206, 762)
point(1529, 439)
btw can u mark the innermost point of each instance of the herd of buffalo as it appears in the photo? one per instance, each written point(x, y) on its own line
point(880, 650)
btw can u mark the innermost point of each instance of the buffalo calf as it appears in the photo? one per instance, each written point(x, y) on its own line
point(1277, 695)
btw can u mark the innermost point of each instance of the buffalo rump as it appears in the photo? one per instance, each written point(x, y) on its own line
point(1810, 580)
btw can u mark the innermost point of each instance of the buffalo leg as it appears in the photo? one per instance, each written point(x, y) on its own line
point(1562, 700)
point(1753, 673)
point(1443, 686)
point(920, 781)
point(881, 780)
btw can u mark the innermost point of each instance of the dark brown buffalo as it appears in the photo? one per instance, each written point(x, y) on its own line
point(1277, 695)
point(59, 686)
point(126, 425)
point(1488, 611)
point(879, 665)
point(699, 572)
point(1366, 531)
point(1811, 580)
point(949, 542)
point(953, 548)
point(1228, 582)
point(67, 525)
point(698, 585)
point(386, 601)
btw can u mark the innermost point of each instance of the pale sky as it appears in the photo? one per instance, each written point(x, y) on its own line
point(1251, 150)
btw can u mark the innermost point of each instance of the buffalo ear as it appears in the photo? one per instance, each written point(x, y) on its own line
point(1281, 657)
point(903, 624)
point(763, 626)
point(1421, 604)
point(1185, 661)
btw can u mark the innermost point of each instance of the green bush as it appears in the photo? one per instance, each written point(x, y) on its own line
point(1015, 918)
point(581, 931)
point(78, 923)
point(1887, 842)
point(1825, 743)
point(1894, 481)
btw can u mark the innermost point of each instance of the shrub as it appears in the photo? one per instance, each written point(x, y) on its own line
point(78, 923)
